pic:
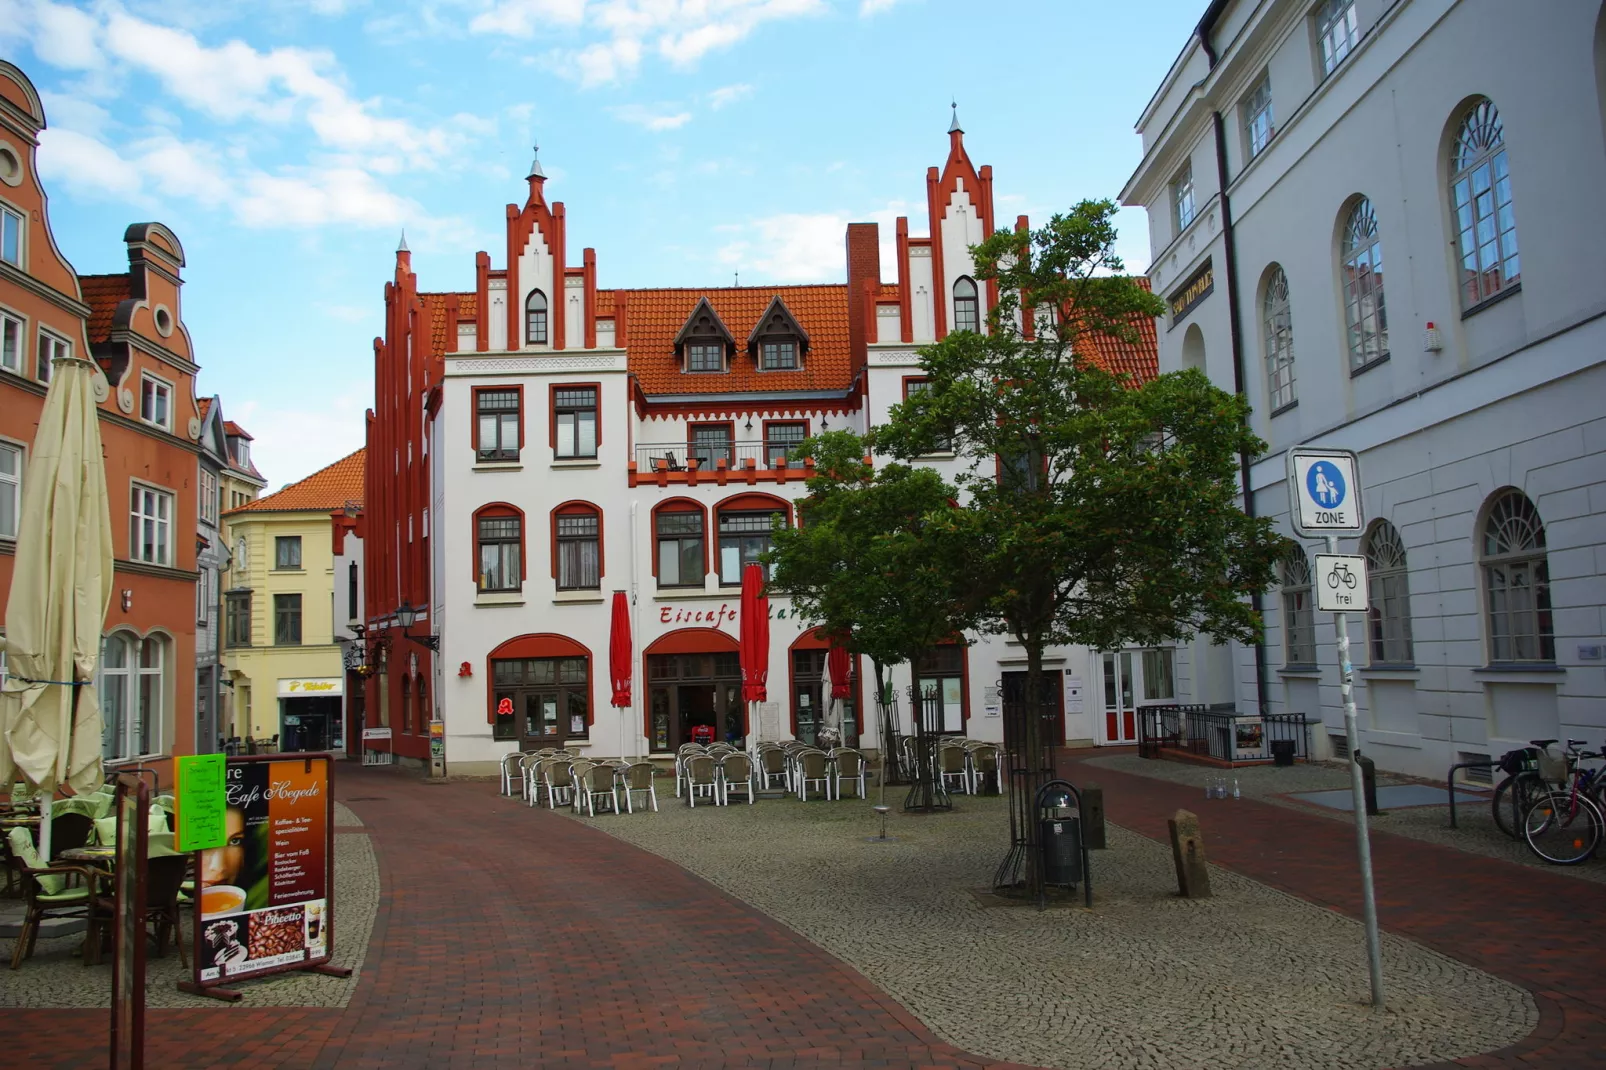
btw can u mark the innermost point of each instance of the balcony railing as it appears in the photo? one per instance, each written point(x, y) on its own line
point(743, 462)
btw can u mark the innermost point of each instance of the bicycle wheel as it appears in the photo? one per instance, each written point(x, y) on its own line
point(1528, 787)
point(1561, 828)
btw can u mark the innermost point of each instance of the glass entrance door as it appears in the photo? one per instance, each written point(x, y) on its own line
point(1120, 711)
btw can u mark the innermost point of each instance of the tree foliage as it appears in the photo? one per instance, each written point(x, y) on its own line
point(1109, 516)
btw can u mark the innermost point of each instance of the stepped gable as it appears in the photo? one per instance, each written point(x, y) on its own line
point(655, 317)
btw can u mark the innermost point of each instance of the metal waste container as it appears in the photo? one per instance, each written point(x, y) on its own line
point(1059, 834)
point(1282, 752)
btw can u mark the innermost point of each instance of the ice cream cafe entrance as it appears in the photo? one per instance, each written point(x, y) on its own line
point(694, 695)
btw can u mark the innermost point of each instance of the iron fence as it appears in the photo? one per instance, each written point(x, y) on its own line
point(706, 456)
point(1219, 732)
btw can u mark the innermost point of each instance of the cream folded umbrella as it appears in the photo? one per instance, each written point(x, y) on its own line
point(61, 587)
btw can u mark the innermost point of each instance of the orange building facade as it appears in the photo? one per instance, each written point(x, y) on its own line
point(131, 325)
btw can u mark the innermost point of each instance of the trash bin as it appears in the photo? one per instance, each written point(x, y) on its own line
point(1061, 839)
point(1282, 752)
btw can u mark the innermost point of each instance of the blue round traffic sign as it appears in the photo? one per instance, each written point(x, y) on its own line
point(1326, 485)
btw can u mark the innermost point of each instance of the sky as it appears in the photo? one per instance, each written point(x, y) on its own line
point(289, 142)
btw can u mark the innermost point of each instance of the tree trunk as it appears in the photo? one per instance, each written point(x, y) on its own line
point(1030, 765)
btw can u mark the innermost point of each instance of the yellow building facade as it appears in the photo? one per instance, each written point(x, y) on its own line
point(279, 650)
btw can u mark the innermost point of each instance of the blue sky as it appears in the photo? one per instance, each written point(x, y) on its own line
point(288, 142)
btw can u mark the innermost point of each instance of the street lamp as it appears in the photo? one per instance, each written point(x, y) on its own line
point(406, 615)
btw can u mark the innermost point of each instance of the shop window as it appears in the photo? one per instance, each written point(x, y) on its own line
point(549, 697)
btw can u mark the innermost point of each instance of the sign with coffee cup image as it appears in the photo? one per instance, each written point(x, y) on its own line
point(264, 895)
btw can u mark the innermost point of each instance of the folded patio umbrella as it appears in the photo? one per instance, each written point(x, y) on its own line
point(754, 649)
point(61, 587)
point(619, 656)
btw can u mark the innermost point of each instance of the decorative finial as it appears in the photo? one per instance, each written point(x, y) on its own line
point(954, 127)
point(402, 248)
point(738, 277)
point(535, 164)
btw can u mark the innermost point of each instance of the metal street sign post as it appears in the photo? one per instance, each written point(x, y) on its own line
point(1324, 495)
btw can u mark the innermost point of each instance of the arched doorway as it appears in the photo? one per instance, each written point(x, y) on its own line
point(539, 691)
point(810, 691)
point(694, 689)
point(1193, 348)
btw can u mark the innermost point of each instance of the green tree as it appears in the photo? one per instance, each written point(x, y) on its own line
point(868, 562)
point(1109, 517)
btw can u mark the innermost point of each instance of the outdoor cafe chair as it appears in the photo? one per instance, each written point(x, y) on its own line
point(811, 768)
point(636, 779)
point(49, 893)
point(599, 782)
point(984, 764)
point(579, 768)
point(68, 832)
point(953, 764)
point(529, 776)
point(557, 779)
point(849, 765)
point(772, 766)
point(686, 750)
point(735, 771)
point(512, 766)
point(701, 779)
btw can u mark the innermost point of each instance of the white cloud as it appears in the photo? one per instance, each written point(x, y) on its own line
point(615, 33)
point(657, 119)
point(729, 94)
point(63, 36)
point(805, 247)
point(86, 165)
point(874, 7)
point(289, 443)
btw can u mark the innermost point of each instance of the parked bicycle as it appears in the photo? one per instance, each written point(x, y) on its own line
point(1564, 824)
point(1516, 794)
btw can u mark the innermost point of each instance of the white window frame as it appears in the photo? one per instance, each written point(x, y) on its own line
point(1259, 125)
point(1481, 205)
point(133, 716)
point(61, 348)
point(1337, 32)
point(1183, 207)
point(1277, 336)
point(15, 326)
point(142, 495)
point(15, 222)
point(1360, 271)
point(155, 388)
point(11, 485)
point(209, 498)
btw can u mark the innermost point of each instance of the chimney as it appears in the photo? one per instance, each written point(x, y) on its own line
point(864, 269)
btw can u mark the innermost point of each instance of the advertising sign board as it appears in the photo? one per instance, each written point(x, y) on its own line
point(201, 803)
point(265, 901)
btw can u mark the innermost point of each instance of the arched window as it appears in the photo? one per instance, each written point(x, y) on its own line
point(132, 693)
point(535, 319)
point(499, 548)
point(745, 526)
point(679, 532)
point(1480, 196)
point(1516, 579)
point(577, 547)
point(540, 690)
point(406, 717)
point(1361, 262)
point(1299, 622)
point(351, 591)
point(967, 313)
point(1388, 620)
point(1277, 334)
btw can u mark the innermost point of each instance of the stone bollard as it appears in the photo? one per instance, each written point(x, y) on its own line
point(1093, 817)
point(1187, 850)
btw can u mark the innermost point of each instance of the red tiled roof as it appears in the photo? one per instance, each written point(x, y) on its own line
point(232, 428)
point(441, 332)
point(205, 405)
point(654, 317)
point(103, 293)
point(1141, 359)
point(324, 491)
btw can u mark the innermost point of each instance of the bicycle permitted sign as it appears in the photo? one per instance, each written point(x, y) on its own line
point(1340, 581)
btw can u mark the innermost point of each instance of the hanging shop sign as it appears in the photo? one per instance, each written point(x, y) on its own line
point(332, 685)
point(265, 902)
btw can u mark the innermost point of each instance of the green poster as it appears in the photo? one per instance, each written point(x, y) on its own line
point(200, 802)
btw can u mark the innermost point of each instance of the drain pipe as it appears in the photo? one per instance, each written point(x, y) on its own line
point(1234, 323)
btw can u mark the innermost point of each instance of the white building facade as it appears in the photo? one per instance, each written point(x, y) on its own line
point(641, 441)
point(1291, 145)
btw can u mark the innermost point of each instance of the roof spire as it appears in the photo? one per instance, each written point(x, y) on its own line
point(954, 127)
point(402, 248)
point(535, 164)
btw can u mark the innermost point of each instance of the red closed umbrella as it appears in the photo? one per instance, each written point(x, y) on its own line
point(755, 643)
point(619, 653)
point(837, 664)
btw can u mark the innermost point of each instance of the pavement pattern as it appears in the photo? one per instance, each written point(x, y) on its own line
point(1251, 978)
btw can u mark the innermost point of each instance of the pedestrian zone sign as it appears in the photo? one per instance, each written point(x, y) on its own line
point(1341, 583)
point(1324, 489)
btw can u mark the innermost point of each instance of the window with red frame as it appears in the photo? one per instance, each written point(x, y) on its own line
point(781, 440)
point(497, 418)
point(914, 387)
point(499, 538)
point(579, 550)
point(681, 553)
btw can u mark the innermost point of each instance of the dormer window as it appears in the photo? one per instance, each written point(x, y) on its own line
point(780, 355)
point(778, 341)
point(535, 319)
point(704, 343)
point(242, 453)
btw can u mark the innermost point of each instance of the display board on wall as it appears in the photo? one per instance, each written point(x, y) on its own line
point(266, 901)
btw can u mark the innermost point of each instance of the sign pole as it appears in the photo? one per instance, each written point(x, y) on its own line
point(1363, 842)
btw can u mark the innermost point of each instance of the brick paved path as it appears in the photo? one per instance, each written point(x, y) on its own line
point(527, 939)
point(1529, 926)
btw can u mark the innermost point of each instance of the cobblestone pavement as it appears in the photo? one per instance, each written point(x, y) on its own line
point(1250, 978)
point(1528, 925)
point(1476, 832)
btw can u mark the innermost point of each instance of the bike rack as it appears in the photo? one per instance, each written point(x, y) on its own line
point(1450, 781)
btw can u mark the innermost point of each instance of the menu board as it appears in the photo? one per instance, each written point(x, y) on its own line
point(264, 902)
